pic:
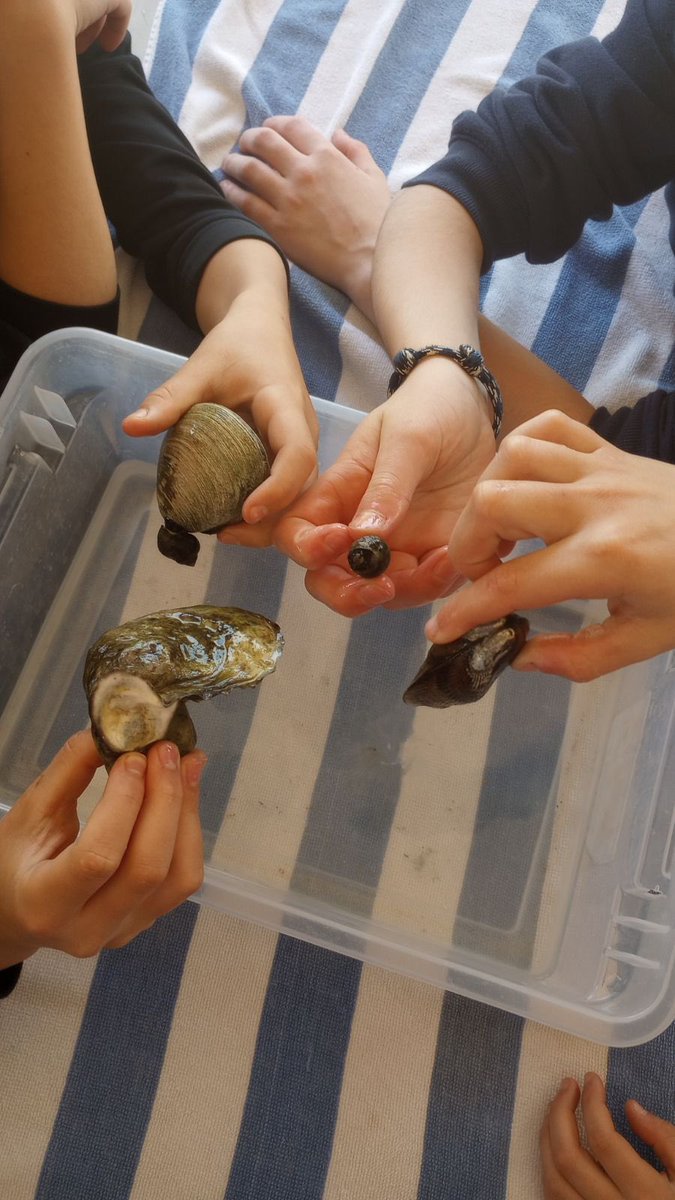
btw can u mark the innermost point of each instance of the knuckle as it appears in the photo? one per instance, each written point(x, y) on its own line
point(147, 876)
point(514, 450)
point(486, 496)
point(94, 865)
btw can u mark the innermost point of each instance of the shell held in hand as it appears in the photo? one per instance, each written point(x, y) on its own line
point(138, 676)
point(464, 670)
point(209, 463)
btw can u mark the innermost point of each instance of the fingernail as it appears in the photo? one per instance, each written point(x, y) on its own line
point(431, 628)
point(135, 764)
point(141, 413)
point(369, 520)
point(373, 594)
point(194, 768)
point(256, 515)
point(168, 755)
point(637, 1107)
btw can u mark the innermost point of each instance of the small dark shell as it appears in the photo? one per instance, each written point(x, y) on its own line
point(462, 671)
point(209, 463)
point(369, 556)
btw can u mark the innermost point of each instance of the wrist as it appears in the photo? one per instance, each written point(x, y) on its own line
point(466, 358)
point(247, 270)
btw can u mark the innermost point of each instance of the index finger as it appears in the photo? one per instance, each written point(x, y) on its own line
point(298, 131)
point(64, 884)
point(67, 775)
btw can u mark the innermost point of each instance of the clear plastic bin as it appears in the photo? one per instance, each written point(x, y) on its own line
point(518, 850)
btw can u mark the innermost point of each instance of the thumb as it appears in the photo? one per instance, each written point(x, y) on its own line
point(356, 151)
point(394, 480)
point(656, 1132)
point(162, 407)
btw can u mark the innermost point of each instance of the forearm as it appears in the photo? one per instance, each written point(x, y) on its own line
point(426, 272)
point(54, 238)
point(248, 270)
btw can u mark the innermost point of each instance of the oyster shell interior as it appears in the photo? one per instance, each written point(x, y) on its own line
point(138, 676)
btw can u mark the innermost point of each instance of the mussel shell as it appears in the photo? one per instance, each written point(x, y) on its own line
point(184, 654)
point(209, 463)
point(463, 671)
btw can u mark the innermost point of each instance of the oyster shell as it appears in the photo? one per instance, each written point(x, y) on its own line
point(462, 671)
point(138, 676)
point(209, 463)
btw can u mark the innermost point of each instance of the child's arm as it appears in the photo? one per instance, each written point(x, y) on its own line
point(611, 1170)
point(217, 269)
point(139, 855)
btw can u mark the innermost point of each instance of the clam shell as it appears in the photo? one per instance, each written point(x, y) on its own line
point(138, 676)
point(463, 671)
point(209, 463)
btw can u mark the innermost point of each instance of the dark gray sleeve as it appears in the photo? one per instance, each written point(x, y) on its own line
point(166, 207)
point(647, 428)
point(593, 127)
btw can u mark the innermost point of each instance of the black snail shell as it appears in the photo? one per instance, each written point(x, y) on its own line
point(462, 671)
point(138, 676)
point(369, 556)
point(209, 463)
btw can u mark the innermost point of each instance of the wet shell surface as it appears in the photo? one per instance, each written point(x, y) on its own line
point(369, 556)
point(138, 676)
point(209, 463)
point(462, 671)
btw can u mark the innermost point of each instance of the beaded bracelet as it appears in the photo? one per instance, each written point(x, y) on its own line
point(467, 358)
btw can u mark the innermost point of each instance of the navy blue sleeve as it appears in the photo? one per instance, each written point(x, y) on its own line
point(593, 127)
point(646, 428)
point(166, 206)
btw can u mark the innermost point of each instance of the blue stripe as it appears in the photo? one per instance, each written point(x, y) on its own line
point(248, 579)
point(466, 1141)
point(510, 844)
point(551, 24)
point(286, 1134)
point(357, 788)
point(276, 83)
point(647, 1074)
point(403, 70)
point(289, 56)
point(181, 31)
point(107, 1101)
point(586, 296)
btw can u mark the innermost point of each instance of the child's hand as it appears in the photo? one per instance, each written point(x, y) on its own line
point(247, 361)
point(321, 200)
point(139, 855)
point(612, 1170)
point(608, 521)
point(105, 21)
point(405, 474)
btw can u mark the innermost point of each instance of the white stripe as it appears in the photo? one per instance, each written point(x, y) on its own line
point(474, 61)
point(347, 61)
point(40, 1026)
point(546, 1057)
point(379, 1135)
point(214, 111)
point(192, 1135)
point(271, 795)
